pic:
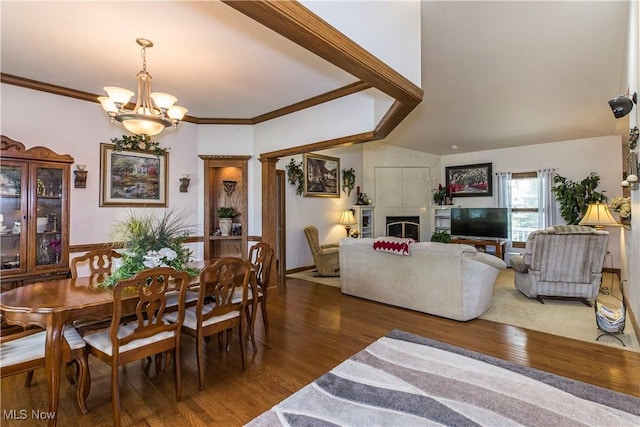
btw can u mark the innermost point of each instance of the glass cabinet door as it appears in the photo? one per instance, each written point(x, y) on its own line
point(48, 215)
point(13, 207)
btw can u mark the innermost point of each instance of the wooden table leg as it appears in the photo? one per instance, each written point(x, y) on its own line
point(53, 359)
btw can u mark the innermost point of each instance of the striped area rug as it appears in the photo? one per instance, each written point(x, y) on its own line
point(406, 380)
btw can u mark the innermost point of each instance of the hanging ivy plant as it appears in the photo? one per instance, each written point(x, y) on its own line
point(575, 197)
point(348, 180)
point(295, 175)
point(138, 143)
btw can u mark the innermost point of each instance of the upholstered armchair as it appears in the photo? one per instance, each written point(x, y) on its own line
point(324, 256)
point(563, 261)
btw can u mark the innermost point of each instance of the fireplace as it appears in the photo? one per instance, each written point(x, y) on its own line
point(404, 226)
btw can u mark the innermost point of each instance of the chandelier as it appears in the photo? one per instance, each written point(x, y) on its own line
point(147, 117)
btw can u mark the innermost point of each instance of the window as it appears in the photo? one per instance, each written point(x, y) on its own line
point(525, 206)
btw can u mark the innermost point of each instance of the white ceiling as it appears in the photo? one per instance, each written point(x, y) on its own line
point(494, 74)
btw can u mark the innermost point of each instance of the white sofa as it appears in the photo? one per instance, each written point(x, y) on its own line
point(448, 280)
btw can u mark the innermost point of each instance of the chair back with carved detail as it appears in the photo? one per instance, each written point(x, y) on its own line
point(100, 262)
point(218, 308)
point(261, 257)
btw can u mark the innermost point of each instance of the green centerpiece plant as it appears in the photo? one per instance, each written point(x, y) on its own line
point(151, 241)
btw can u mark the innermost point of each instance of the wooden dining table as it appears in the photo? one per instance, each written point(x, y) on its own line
point(51, 305)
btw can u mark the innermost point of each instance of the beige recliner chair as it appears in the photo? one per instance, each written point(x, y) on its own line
point(324, 256)
point(563, 261)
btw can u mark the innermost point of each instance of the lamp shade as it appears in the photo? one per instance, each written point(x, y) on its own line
point(598, 216)
point(347, 217)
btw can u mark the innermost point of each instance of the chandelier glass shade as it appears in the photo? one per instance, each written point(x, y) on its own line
point(153, 112)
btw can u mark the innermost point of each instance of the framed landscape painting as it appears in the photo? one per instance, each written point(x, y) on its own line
point(321, 176)
point(469, 180)
point(132, 178)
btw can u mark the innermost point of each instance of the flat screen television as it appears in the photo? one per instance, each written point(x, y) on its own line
point(479, 222)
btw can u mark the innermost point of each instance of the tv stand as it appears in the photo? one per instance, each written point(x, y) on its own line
point(481, 244)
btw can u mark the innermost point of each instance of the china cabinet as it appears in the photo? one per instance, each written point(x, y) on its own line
point(34, 214)
point(364, 220)
point(225, 186)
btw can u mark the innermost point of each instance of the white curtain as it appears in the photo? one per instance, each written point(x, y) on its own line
point(547, 209)
point(502, 195)
point(502, 189)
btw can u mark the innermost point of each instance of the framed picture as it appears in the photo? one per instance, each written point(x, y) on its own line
point(321, 176)
point(132, 178)
point(469, 180)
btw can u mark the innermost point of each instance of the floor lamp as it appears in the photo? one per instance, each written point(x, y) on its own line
point(610, 322)
point(598, 217)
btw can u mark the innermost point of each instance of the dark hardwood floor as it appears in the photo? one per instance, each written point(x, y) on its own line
point(313, 328)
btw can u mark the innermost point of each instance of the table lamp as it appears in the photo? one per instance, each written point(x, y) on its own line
point(598, 217)
point(347, 219)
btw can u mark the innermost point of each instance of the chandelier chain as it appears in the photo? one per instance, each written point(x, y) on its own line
point(144, 58)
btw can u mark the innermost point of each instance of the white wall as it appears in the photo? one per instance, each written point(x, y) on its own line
point(572, 159)
point(631, 275)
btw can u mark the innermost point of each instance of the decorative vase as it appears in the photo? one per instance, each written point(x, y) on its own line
point(43, 255)
point(225, 226)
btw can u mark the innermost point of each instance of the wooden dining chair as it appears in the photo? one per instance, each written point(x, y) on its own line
point(260, 256)
point(24, 351)
point(217, 310)
point(149, 333)
point(100, 263)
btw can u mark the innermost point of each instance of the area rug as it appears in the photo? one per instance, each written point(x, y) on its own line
point(312, 276)
point(407, 380)
point(568, 319)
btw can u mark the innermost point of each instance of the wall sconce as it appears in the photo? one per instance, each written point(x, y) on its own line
point(631, 182)
point(184, 183)
point(229, 187)
point(80, 180)
point(634, 133)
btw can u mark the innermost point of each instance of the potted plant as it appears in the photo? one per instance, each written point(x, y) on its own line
point(348, 180)
point(575, 197)
point(295, 175)
point(226, 214)
point(441, 237)
point(439, 195)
